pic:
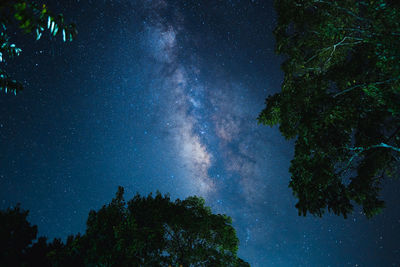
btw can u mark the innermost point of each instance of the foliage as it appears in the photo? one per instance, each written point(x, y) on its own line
point(153, 231)
point(145, 231)
point(32, 18)
point(16, 234)
point(340, 100)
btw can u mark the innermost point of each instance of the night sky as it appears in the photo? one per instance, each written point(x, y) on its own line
point(164, 95)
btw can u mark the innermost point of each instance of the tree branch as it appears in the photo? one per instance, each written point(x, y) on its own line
point(381, 145)
point(334, 4)
point(364, 85)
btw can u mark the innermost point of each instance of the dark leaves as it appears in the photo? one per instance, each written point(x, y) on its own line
point(339, 99)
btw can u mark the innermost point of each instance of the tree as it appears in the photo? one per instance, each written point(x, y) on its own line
point(17, 246)
point(146, 231)
point(16, 234)
point(340, 100)
point(153, 231)
point(32, 18)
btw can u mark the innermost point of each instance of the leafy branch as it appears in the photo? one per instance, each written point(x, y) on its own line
point(363, 85)
point(31, 18)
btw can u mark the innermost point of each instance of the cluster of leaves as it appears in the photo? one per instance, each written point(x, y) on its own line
point(32, 18)
point(340, 100)
point(145, 231)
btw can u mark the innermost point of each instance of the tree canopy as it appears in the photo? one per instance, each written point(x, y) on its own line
point(340, 100)
point(30, 17)
point(145, 231)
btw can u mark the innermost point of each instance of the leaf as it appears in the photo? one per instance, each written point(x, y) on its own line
point(55, 30)
point(52, 26)
point(38, 34)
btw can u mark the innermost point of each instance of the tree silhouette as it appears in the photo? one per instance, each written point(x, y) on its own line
point(145, 231)
point(340, 100)
point(16, 234)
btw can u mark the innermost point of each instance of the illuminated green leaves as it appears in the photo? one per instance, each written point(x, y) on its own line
point(9, 85)
point(31, 18)
point(10, 50)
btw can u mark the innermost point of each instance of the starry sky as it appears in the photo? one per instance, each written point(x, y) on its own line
point(164, 95)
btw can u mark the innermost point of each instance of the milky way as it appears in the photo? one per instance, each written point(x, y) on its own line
point(178, 87)
point(187, 110)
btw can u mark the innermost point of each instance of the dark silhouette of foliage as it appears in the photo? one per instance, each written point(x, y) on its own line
point(32, 18)
point(145, 231)
point(16, 234)
point(340, 100)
